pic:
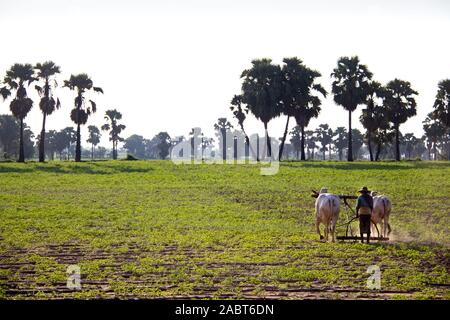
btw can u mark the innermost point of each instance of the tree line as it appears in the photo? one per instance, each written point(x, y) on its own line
point(268, 91)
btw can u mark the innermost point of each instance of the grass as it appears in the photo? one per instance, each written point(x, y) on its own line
point(154, 229)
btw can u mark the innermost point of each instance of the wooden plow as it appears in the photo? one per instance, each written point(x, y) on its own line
point(349, 232)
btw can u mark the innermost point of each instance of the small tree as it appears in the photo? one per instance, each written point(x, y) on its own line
point(94, 138)
point(164, 143)
point(324, 136)
point(222, 127)
point(115, 129)
point(295, 140)
point(340, 142)
point(434, 130)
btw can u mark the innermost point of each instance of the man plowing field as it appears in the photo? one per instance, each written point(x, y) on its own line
point(364, 207)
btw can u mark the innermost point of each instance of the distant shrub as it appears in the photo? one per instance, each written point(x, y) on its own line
point(130, 157)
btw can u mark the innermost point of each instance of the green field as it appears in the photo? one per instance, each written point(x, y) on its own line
point(152, 229)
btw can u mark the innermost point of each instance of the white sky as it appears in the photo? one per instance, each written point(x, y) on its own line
point(171, 65)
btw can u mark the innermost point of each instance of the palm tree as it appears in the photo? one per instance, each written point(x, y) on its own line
point(80, 113)
point(17, 78)
point(45, 72)
point(434, 130)
point(350, 88)
point(368, 115)
point(295, 140)
point(68, 136)
point(261, 92)
point(239, 112)
point(195, 135)
point(401, 105)
point(357, 143)
point(299, 97)
point(94, 138)
point(410, 142)
point(222, 127)
point(311, 144)
point(112, 116)
point(383, 136)
point(163, 145)
point(340, 141)
point(442, 106)
point(206, 142)
point(324, 136)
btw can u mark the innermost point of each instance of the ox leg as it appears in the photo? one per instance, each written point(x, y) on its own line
point(387, 227)
point(327, 231)
point(333, 230)
point(318, 229)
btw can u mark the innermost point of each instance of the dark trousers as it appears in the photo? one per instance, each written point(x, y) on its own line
point(364, 225)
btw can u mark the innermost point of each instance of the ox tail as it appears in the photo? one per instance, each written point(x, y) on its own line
point(384, 210)
point(330, 203)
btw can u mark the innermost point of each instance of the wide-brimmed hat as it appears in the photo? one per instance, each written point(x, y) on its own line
point(364, 190)
point(323, 190)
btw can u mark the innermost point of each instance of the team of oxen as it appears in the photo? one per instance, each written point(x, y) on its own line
point(327, 208)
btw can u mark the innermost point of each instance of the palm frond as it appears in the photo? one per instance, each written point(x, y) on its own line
point(5, 93)
point(38, 89)
point(97, 89)
point(94, 106)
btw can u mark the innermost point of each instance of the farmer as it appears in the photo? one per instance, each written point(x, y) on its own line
point(364, 207)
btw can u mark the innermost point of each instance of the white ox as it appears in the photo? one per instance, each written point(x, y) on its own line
point(380, 214)
point(327, 212)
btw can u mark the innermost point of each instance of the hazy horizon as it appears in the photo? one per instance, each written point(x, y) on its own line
point(173, 65)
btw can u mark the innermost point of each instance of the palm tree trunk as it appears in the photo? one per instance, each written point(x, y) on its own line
point(42, 141)
point(369, 144)
point(78, 145)
point(377, 155)
point(323, 153)
point(257, 147)
point(350, 144)
point(113, 151)
point(21, 150)
point(268, 145)
point(397, 143)
point(248, 146)
point(224, 144)
point(302, 142)
point(448, 144)
point(434, 150)
point(192, 149)
point(92, 152)
point(280, 153)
